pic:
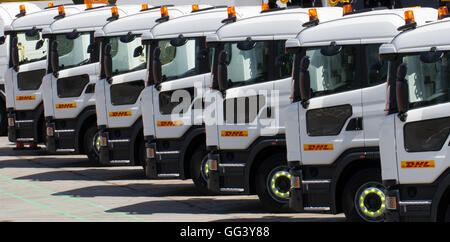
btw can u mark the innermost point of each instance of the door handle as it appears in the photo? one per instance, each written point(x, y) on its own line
point(355, 124)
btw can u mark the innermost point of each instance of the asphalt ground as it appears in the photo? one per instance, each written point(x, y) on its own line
point(39, 187)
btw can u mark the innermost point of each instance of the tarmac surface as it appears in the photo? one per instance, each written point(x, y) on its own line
point(38, 187)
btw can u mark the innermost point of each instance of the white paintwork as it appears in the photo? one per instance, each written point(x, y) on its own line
point(136, 24)
point(87, 21)
point(375, 27)
point(423, 38)
point(8, 12)
point(39, 20)
point(198, 24)
point(277, 25)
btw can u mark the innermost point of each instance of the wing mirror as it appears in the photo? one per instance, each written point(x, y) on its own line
point(157, 66)
point(402, 92)
point(222, 71)
point(54, 58)
point(107, 62)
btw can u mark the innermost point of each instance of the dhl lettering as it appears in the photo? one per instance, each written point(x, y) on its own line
point(418, 164)
point(169, 123)
point(120, 114)
point(236, 133)
point(66, 105)
point(25, 98)
point(318, 147)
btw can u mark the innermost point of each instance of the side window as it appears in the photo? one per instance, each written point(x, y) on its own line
point(377, 69)
point(333, 71)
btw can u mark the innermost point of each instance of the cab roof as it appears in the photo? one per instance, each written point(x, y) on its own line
point(378, 26)
point(198, 23)
point(282, 24)
point(423, 38)
point(8, 11)
point(42, 18)
point(89, 20)
point(140, 22)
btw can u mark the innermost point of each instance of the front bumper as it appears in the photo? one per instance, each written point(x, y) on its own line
point(116, 147)
point(405, 204)
point(225, 174)
point(61, 135)
point(307, 194)
point(163, 158)
point(23, 126)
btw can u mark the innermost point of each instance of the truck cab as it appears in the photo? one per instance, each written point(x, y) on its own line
point(338, 101)
point(24, 78)
point(250, 87)
point(8, 13)
point(118, 94)
point(414, 134)
point(173, 101)
point(72, 73)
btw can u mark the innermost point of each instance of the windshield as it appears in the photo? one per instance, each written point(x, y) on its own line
point(123, 55)
point(332, 74)
point(428, 83)
point(27, 47)
point(256, 62)
point(247, 66)
point(73, 52)
point(184, 60)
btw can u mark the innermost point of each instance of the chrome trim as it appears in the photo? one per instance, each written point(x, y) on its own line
point(65, 131)
point(25, 139)
point(119, 140)
point(169, 175)
point(24, 121)
point(414, 202)
point(231, 189)
point(317, 208)
point(119, 161)
point(175, 152)
point(65, 150)
point(232, 164)
point(316, 181)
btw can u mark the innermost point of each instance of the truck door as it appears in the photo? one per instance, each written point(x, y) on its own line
point(178, 100)
point(423, 138)
point(247, 101)
point(70, 91)
point(32, 59)
point(331, 123)
point(123, 105)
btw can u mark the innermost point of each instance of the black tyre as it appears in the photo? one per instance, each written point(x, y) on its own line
point(141, 154)
point(199, 169)
point(363, 198)
point(447, 213)
point(3, 120)
point(91, 144)
point(273, 183)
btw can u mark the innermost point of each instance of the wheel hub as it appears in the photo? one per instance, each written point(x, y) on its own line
point(280, 184)
point(371, 202)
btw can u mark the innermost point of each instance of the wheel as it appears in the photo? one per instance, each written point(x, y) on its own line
point(447, 213)
point(199, 169)
point(141, 154)
point(91, 141)
point(3, 120)
point(273, 183)
point(363, 198)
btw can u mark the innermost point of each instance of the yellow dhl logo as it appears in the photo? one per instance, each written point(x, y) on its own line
point(170, 123)
point(418, 164)
point(318, 147)
point(25, 98)
point(119, 114)
point(234, 133)
point(66, 105)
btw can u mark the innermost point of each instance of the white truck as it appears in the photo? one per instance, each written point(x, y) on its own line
point(8, 12)
point(173, 101)
point(24, 87)
point(118, 94)
point(73, 70)
point(338, 102)
point(414, 135)
point(250, 86)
